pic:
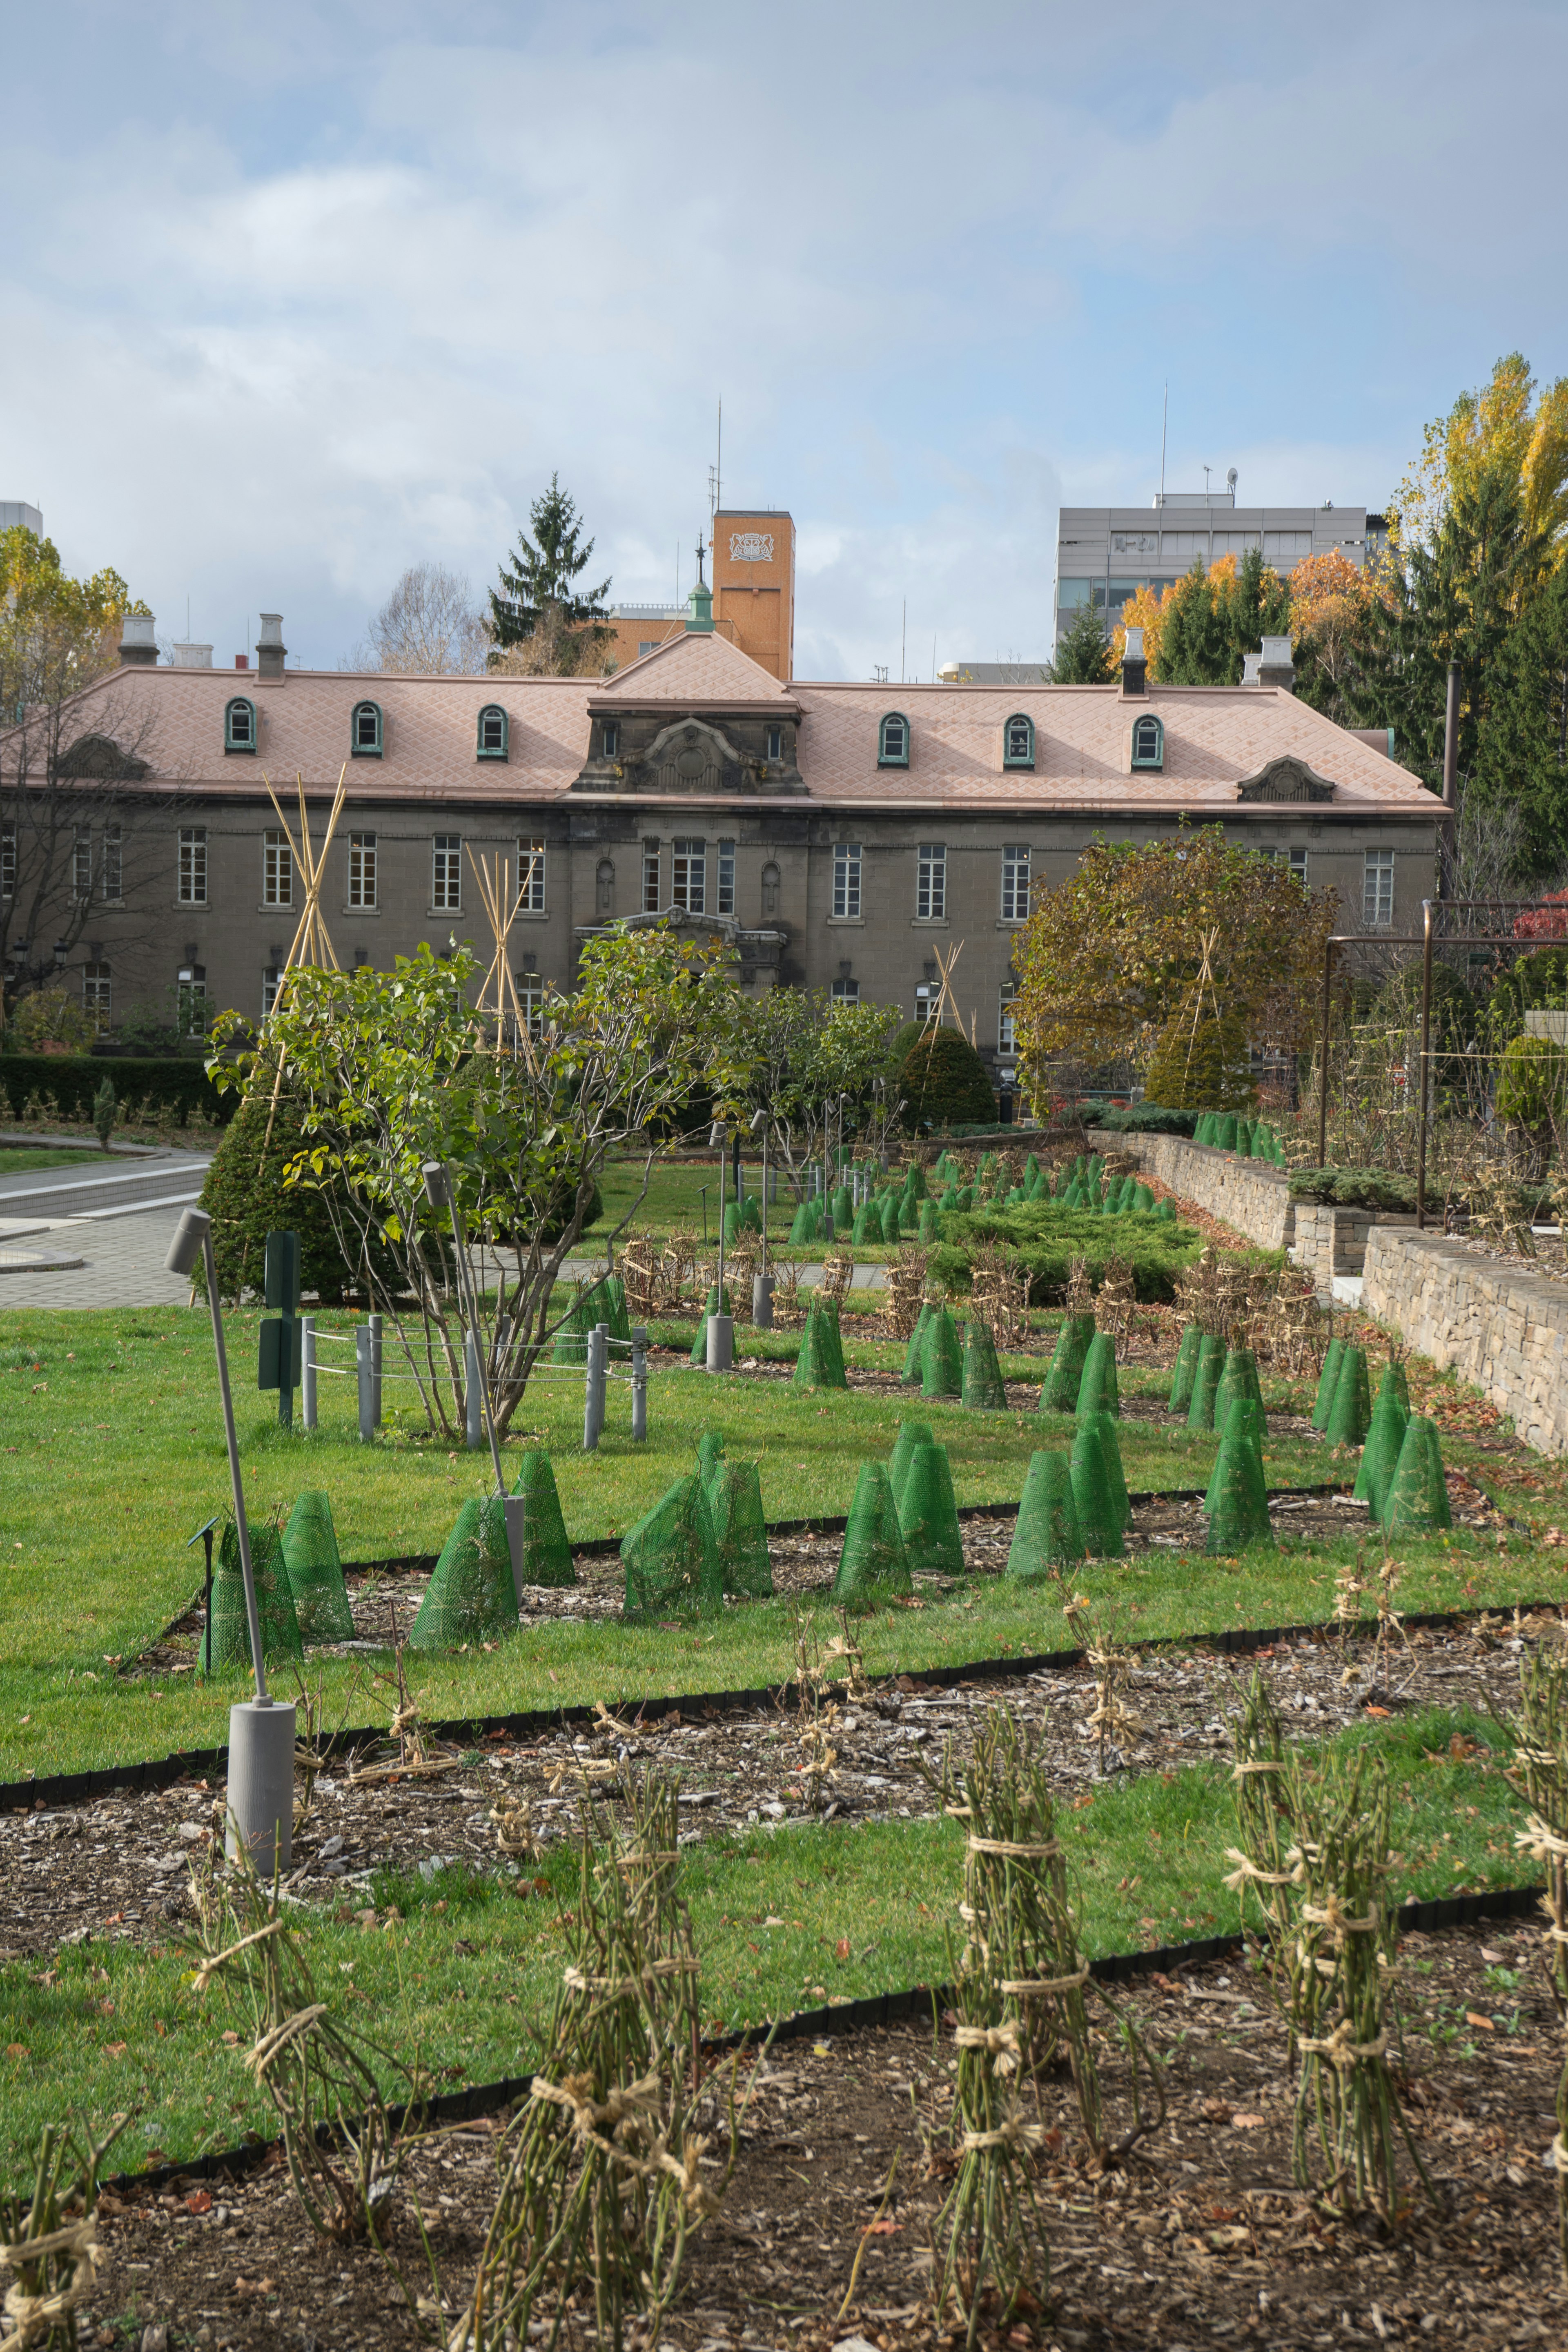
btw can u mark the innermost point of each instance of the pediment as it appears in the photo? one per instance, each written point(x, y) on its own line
point(99, 759)
point(690, 755)
point(1288, 777)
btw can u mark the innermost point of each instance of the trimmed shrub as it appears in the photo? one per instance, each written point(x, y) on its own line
point(166, 1084)
point(943, 1082)
point(247, 1199)
point(1146, 1118)
point(1202, 1064)
point(1355, 1188)
point(1048, 1235)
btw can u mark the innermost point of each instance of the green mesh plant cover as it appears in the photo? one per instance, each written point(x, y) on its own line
point(873, 1561)
point(740, 1530)
point(316, 1571)
point(471, 1597)
point(1048, 1535)
point(951, 1197)
point(1099, 1518)
point(983, 1388)
point(928, 1514)
point(1097, 1389)
point(941, 1358)
point(1327, 1381)
point(1116, 1478)
point(1245, 1419)
point(731, 1223)
point(1238, 1378)
point(1206, 1383)
point(1396, 1373)
point(615, 1314)
point(929, 1221)
point(1186, 1369)
point(833, 1340)
point(843, 1204)
point(911, 1371)
point(546, 1553)
point(709, 1458)
point(671, 1557)
point(700, 1345)
point(890, 1228)
point(274, 1600)
point(1226, 1134)
point(1064, 1373)
point(1380, 1454)
point(911, 1435)
point(1418, 1498)
point(1143, 1197)
point(820, 1364)
point(1237, 1502)
point(800, 1227)
point(571, 1338)
point(915, 1183)
point(752, 1213)
point(867, 1226)
point(1350, 1415)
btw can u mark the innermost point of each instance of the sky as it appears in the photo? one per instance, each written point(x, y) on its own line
point(295, 296)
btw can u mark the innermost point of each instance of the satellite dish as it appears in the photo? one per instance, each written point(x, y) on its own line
point(1230, 479)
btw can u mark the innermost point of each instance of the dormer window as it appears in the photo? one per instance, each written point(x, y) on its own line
point(1018, 741)
point(492, 740)
point(365, 731)
point(893, 741)
point(610, 739)
point(239, 725)
point(775, 742)
point(1148, 743)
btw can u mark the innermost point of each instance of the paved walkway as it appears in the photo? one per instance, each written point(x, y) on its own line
point(118, 1222)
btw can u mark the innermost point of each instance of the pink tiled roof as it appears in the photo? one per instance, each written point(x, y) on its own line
point(1213, 736)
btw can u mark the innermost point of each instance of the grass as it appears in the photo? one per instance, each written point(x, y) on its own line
point(22, 1159)
point(459, 1984)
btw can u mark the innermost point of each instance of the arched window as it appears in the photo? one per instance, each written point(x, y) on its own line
point(239, 725)
point(1148, 743)
point(893, 741)
point(494, 732)
point(1018, 741)
point(365, 731)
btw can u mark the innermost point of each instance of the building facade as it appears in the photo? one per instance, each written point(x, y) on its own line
point(840, 834)
point(751, 568)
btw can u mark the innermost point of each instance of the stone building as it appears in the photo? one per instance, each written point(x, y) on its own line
point(839, 832)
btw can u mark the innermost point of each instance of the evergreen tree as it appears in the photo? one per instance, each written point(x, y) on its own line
point(1083, 656)
point(539, 585)
point(1521, 754)
point(1218, 617)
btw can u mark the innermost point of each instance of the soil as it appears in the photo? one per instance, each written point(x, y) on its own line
point(1199, 2237)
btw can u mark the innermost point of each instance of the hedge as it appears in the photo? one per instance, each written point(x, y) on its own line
point(1047, 1236)
point(166, 1082)
point(1147, 1119)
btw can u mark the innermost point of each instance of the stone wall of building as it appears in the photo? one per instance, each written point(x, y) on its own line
point(1498, 1326)
point(1245, 1193)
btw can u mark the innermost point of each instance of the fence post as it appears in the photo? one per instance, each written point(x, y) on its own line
point(639, 1383)
point(307, 1369)
point(473, 1406)
point(376, 1367)
point(601, 1379)
point(590, 1426)
point(366, 1384)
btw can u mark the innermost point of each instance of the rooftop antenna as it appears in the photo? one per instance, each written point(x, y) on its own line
point(1164, 420)
point(716, 475)
point(1207, 470)
point(903, 637)
point(1230, 481)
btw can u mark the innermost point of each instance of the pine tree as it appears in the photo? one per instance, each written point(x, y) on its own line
point(538, 592)
point(1522, 755)
point(1083, 656)
point(1218, 617)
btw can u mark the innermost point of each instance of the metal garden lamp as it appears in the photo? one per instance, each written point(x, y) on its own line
point(721, 1327)
point(261, 1729)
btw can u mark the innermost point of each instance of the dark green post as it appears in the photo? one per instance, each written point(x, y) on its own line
point(281, 1340)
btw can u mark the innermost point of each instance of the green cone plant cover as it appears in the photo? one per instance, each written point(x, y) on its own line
point(873, 1560)
point(1244, 1139)
point(866, 1217)
point(1385, 1440)
point(1142, 1197)
point(1350, 1415)
point(1418, 1498)
point(915, 1183)
point(1115, 1476)
point(1227, 1132)
point(930, 1222)
point(983, 1388)
point(1048, 1535)
point(911, 1435)
point(1239, 1379)
point(1206, 1383)
point(820, 1364)
point(751, 1214)
point(740, 1530)
point(732, 1223)
point(942, 1359)
point(316, 1572)
point(928, 1514)
point(571, 1338)
point(843, 1208)
point(710, 1457)
point(1245, 1419)
point(274, 1600)
point(1327, 1379)
point(1097, 1389)
point(1186, 1369)
point(911, 1371)
point(1237, 1501)
point(801, 1228)
point(1063, 1374)
point(1165, 1211)
point(949, 1198)
point(700, 1345)
point(615, 1314)
point(1204, 1132)
point(671, 1558)
point(471, 1597)
point(546, 1553)
point(1395, 1373)
point(890, 1218)
point(1099, 1518)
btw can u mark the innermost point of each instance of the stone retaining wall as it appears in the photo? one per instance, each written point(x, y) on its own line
point(1504, 1330)
point(1332, 1241)
point(1246, 1194)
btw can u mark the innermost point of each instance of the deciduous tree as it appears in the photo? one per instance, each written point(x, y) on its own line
point(430, 626)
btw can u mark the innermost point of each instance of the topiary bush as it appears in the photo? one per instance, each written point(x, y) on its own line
point(1201, 1064)
point(1047, 1236)
point(247, 1199)
point(943, 1082)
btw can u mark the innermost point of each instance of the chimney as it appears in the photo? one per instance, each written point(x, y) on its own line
point(270, 647)
point(189, 656)
point(1134, 669)
point(1274, 665)
point(138, 644)
point(242, 661)
point(1249, 669)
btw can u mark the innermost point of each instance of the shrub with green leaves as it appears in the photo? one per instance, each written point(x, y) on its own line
point(943, 1082)
point(1047, 1236)
point(1356, 1188)
point(247, 1198)
point(1143, 1118)
point(1533, 1084)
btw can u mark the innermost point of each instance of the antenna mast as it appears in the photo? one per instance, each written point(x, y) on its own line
point(1164, 420)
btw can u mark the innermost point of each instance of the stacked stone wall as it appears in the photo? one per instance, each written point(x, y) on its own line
point(1247, 1195)
point(1504, 1330)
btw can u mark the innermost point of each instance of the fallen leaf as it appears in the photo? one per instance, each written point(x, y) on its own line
point(1245, 2123)
point(1481, 2024)
point(841, 1949)
point(15, 2050)
point(114, 2049)
point(881, 2229)
point(1382, 1713)
point(232, 2040)
point(198, 2201)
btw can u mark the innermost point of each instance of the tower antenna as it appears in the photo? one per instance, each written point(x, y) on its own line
point(1164, 420)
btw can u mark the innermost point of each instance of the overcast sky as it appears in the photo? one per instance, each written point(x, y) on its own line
point(295, 296)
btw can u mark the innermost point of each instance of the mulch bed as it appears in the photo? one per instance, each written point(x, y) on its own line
point(1201, 2236)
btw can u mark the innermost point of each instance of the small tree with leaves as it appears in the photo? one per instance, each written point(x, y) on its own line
point(540, 608)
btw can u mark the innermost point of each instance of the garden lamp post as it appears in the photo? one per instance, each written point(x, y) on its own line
point(761, 1286)
point(721, 1327)
point(261, 1729)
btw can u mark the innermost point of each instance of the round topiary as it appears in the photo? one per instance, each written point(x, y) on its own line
point(247, 1199)
point(944, 1083)
point(1202, 1063)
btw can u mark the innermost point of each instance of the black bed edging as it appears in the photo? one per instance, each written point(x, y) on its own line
point(873, 2010)
point(194, 1763)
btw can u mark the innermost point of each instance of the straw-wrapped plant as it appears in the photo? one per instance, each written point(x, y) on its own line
point(1539, 1772)
point(50, 2240)
point(906, 1283)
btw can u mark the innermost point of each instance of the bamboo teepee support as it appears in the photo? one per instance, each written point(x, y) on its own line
point(945, 1000)
point(310, 943)
point(501, 910)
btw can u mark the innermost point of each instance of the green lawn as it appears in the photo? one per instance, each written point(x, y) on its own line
point(459, 1987)
point(21, 1159)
